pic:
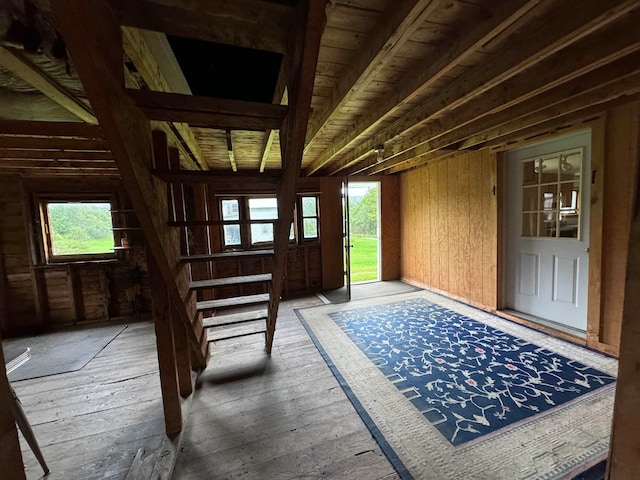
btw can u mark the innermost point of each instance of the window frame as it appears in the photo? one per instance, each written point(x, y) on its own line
point(300, 218)
point(244, 222)
point(49, 257)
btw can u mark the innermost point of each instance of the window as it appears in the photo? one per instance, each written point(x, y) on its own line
point(309, 209)
point(77, 229)
point(551, 195)
point(249, 221)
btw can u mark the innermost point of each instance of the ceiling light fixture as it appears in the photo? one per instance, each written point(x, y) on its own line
point(379, 151)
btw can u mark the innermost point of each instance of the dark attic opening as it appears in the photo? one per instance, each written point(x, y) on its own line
point(225, 71)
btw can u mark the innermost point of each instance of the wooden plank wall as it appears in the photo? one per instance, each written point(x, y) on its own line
point(450, 224)
point(37, 296)
point(449, 228)
point(621, 161)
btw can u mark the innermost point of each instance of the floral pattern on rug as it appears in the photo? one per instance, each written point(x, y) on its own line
point(467, 378)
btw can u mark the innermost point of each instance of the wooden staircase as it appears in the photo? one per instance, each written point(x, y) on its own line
point(187, 310)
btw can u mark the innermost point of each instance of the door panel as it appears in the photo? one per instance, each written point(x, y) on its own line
point(547, 234)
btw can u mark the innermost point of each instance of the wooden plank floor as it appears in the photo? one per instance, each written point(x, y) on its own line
point(91, 423)
point(284, 417)
point(252, 417)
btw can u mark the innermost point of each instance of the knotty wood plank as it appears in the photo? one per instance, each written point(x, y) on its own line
point(233, 301)
point(453, 225)
point(465, 250)
point(234, 332)
point(434, 222)
point(596, 223)
point(490, 231)
point(219, 282)
point(625, 443)
point(231, 318)
point(443, 230)
point(476, 226)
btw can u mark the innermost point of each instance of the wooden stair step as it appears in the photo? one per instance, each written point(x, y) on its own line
point(241, 331)
point(233, 318)
point(222, 282)
point(232, 301)
point(214, 256)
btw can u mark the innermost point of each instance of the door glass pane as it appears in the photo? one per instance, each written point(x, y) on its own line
point(549, 170)
point(548, 224)
point(530, 224)
point(530, 199)
point(530, 173)
point(570, 166)
point(549, 197)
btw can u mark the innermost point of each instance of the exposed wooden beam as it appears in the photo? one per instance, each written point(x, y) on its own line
point(8, 153)
point(64, 171)
point(94, 40)
point(50, 129)
point(539, 41)
point(53, 143)
point(301, 65)
point(426, 74)
point(280, 97)
point(209, 112)
point(137, 49)
point(395, 27)
point(579, 68)
point(625, 442)
point(243, 23)
point(222, 181)
point(21, 67)
point(232, 158)
point(86, 164)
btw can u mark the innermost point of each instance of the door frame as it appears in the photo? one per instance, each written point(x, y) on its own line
point(594, 291)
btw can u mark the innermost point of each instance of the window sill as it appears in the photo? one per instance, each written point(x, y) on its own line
point(78, 263)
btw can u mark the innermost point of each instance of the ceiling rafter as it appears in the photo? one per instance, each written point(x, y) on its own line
point(243, 23)
point(22, 68)
point(280, 97)
point(527, 51)
point(423, 76)
point(394, 29)
point(207, 111)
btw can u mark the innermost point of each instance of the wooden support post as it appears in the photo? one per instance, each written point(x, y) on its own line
point(10, 455)
point(301, 62)
point(183, 360)
point(624, 454)
point(162, 317)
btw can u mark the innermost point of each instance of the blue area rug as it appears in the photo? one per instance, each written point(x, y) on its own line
point(452, 392)
point(467, 378)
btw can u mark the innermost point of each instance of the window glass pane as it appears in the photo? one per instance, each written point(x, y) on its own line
point(230, 210)
point(262, 232)
point(530, 173)
point(232, 235)
point(292, 233)
point(309, 207)
point(80, 228)
point(530, 199)
point(310, 228)
point(529, 224)
point(263, 208)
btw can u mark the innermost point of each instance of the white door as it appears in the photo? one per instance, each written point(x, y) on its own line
point(547, 234)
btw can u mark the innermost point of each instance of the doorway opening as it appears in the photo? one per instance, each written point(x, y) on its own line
point(364, 231)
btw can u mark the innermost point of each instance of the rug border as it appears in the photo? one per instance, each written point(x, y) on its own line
point(449, 303)
point(377, 435)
